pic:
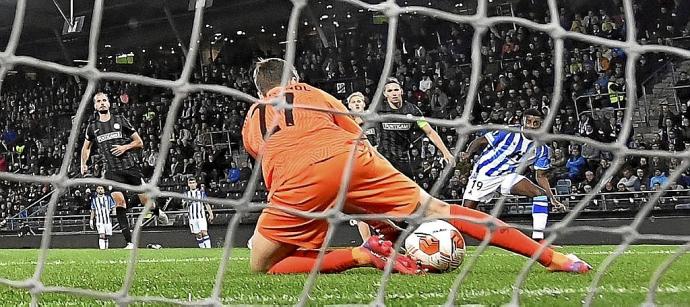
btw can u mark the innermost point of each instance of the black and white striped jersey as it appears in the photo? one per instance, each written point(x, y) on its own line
point(195, 209)
point(102, 205)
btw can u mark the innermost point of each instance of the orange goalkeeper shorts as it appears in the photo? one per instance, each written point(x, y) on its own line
point(375, 187)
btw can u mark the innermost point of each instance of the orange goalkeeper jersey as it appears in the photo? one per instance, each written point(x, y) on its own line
point(300, 136)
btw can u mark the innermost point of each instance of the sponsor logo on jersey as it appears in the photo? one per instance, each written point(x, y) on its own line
point(109, 136)
point(396, 126)
point(117, 126)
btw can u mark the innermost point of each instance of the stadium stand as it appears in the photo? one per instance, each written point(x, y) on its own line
point(434, 71)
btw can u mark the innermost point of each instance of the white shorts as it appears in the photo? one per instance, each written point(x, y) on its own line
point(198, 225)
point(482, 188)
point(106, 229)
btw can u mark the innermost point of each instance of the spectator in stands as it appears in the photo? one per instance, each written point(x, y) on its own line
point(630, 181)
point(642, 176)
point(604, 165)
point(425, 84)
point(617, 92)
point(637, 142)
point(684, 92)
point(684, 179)
point(644, 165)
point(657, 164)
point(576, 164)
point(439, 103)
point(684, 130)
point(570, 126)
point(592, 154)
point(454, 186)
point(233, 173)
point(667, 118)
point(658, 178)
point(245, 171)
point(175, 167)
point(589, 180)
point(672, 142)
point(558, 169)
point(609, 187)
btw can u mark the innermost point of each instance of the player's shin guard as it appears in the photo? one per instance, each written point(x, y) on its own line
point(504, 236)
point(207, 241)
point(540, 214)
point(121, 214)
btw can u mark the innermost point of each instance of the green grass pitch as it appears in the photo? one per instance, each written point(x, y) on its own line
point(189, 273)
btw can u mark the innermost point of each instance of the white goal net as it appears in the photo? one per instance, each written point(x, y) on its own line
point(182, 87)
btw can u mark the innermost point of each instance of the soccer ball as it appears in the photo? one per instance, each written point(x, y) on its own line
point(436, 245)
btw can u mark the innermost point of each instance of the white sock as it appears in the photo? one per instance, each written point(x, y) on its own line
point(200, 242)
point(102, 244)
point(107, 243)
point(539, 224)
point(540, 214)
point(207, 241)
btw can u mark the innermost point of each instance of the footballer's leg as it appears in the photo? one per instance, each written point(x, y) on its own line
point(265, 253)
point(269, 256)
point(503, 236)
point(364, 230)
point(121, 213)
point(101, 241)
point(472, 204)
point(540, 205)
point(206, 239)
point(199, 239)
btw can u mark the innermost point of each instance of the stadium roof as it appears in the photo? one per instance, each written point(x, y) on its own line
point(134, 23)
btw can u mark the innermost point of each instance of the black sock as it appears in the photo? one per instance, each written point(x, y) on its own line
point(156, 211)
point(121, 214)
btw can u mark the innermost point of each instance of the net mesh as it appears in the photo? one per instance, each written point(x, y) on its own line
point(182, 87)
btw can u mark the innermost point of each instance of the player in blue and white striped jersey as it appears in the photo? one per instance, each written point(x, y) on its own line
point(197, 216)
point(502, 153)
point(101, 207)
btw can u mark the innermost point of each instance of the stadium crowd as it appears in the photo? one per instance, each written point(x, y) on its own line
point(517, 74)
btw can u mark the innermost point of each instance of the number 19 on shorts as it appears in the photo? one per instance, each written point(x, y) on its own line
point(476, 184)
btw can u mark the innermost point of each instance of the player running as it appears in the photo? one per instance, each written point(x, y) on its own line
point(397, 137)
point(197, 215)
point(117, 142)
point(101, 207)
point(496, 169)
point(303, 160)
point(357, 102)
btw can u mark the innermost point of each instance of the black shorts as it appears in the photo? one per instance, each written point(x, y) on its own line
point(128, 176)
point(405, 167)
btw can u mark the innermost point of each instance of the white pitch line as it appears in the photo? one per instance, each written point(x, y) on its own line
point(120, 261)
